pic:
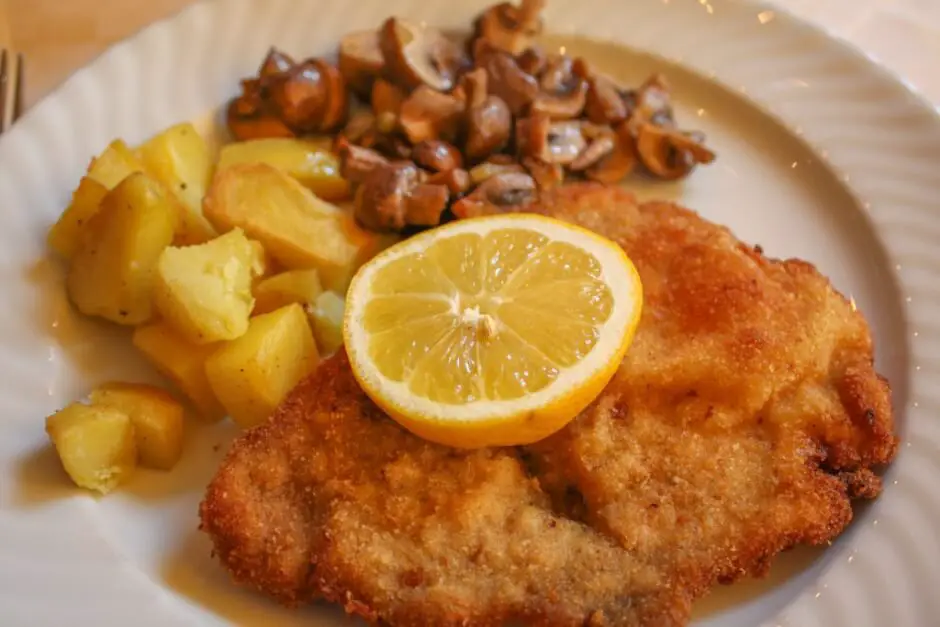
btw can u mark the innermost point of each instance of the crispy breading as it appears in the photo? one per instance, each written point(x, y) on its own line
point(744, 419)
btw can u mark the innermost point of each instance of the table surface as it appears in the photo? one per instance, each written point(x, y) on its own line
point(59, 36)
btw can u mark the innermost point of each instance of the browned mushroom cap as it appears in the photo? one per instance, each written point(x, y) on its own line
point(563, 93)
point(359, 123)
point(670, 154)
point(430, 114)
point(509, 27)
point(416, 55)
point(310, 96)
point(501, 193)
point(597, 149)
point(392, 195)
point(618, 163)
point(360, 60)
point(256, 125)
point(508, 81)
point(276, 62)
point(437, 155)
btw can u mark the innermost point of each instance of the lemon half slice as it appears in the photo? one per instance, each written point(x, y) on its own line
point(491, 331)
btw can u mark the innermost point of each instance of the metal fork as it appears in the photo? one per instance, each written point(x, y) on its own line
point(11, 89)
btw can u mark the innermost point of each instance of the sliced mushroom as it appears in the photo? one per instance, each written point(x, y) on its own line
point(489, 127)
point(594, 152)
point(360, 60)
point(508, 81)
point(604, 104)
point(456, 180)
point(276, 62)
point(501, 193)
point(532, 61)
point(488, 170)
point(392, 196)
point(437, 155)
point(357, 162)
point(618, 163)
point(416, 55)
point(670, 154)
point(509, 27)
point(311, 96)
point(652, 104)
point(359, 123)
point(386, 101)
point(430, 114)
point(552, 142)
point(257, 125)
point(546, 175)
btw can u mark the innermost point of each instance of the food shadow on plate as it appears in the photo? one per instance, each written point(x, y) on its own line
point(39, 479)
point(193, 573)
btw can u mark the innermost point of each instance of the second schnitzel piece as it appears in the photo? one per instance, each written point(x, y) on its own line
point(744, 419)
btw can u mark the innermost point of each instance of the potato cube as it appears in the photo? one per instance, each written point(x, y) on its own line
point(157, 418)
point(294, 286)
point(64, 236)
point(311, 162)
point(204, 291)
point(112, 271)
point(115, 164)
point(182, 363)
point(253, 374)
point(326, 316)
point(298, 229)
point(95, 444)
point(179, 158)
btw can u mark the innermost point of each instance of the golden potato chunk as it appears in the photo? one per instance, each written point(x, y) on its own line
point(298, 229)
point(204, 291)
point(326, 316)
point(64, 236)
point(95, 444)
point(309, 161)
point(114, 164)
point(179, 158)
point(253, 374)
point(182, 363)
point(157, 418)
point(294, 286)
point(113, 268)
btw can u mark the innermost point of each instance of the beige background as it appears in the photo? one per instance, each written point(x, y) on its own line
point(60, 36)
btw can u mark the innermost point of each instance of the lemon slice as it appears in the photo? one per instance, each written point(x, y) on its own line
point(491, 331)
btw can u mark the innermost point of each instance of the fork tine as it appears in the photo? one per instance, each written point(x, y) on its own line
point(4, 78)
point(18, 88)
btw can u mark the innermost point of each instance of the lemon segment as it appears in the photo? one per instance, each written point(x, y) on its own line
point(491, 331)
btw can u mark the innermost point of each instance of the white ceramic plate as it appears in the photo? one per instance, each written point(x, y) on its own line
point(822, 156)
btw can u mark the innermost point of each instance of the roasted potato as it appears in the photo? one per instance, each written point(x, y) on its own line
point(113, 268)
point(253, 374)
point(95, 444)
point(157, 418)
point(309, 161)
point(298, 229)
point(294, 286)
point(179, 158)
point(115, 164)
point(204, 291)
point(86, 199)
point(326, 317)
point(183, 363)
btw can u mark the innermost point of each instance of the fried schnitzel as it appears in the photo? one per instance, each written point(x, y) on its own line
point(745, 418)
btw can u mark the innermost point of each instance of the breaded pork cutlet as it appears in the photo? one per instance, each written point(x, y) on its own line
point(746, 417)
